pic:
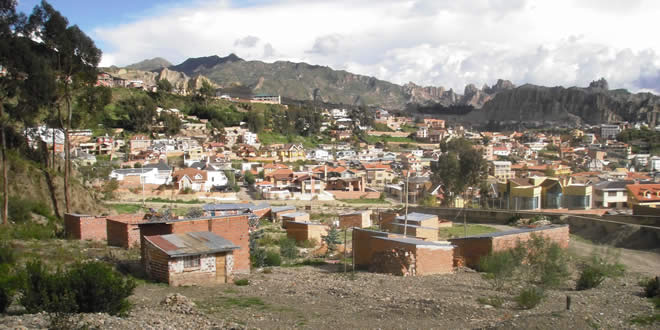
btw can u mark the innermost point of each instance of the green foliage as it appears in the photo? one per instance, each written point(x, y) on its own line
point(8, 280)
point(429, 200)
point(491, 300)
point(195, 212)
point(242, 282)
point(164, 85)
point(651, 287)
point(597, 269)
point(92, 287)
point(171, 122)
point(272, 259)
point(529, 297)
point(460, 167)
point(332, 238)
point(547, 261)
point(381, 127)
point(499, 266)
point(308, 244)
point(29, 230)
point(249, 177)
point(288, 248)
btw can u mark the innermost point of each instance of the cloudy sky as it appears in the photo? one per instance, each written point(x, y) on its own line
point(437, 42)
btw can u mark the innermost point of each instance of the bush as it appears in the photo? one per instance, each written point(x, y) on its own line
point(272, 259)
point(288, 248)
point(492, 301)
point(651, 287)
point(529, 297)
point(7, 254)
point(597, 269)
point(258, 257)
point(547, 261)
point(499, 266)
point(242, 282)
point(308, 244)
point(92, 287)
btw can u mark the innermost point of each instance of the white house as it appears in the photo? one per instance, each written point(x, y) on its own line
point(654, 163)
point(164, 171)
point(142, 175)
point(319, 154)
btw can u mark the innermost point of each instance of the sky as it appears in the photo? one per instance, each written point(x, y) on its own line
point(445, 43)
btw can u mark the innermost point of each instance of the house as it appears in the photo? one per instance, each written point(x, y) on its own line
point(294, 216)
point(233, 228)
point(291, 152)
point(359, 219)
point(611, 194)
point(346, 184)
point(654, 163)
point(424, 226)
point(392, 254)
point(306, 231)
point(138, 176)
point(192, 258)
point(378, 174)
point(577, 196)
point(164, 174)
point(501, 170)
point(191, 178)
point(139, 143)
point(644, 194)
point(472, 248)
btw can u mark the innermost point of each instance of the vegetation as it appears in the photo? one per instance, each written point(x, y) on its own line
point(241, 282)
point(529, 297)
point(288, 248)
point(459, 167)
point(272, 259)
point(597, 269)
point(365, 201)
point(458, 230)
point(332, 238)
point(91, 287)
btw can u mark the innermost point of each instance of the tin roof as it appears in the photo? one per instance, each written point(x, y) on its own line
point(293, 215)
point(282, 208)
point(416, 216)
point(415, 241)
point(187, 244)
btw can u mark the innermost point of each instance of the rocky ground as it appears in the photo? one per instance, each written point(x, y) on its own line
point(324, 297)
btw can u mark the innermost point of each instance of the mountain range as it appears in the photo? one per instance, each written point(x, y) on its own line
point(502, 101)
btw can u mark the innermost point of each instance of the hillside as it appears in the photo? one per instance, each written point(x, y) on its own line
point(150, 64)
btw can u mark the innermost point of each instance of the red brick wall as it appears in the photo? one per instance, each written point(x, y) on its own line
point(156, 262)
point(235, 229)
point(434, 261)
point(362, 245)
point(558, 235)
point(149, 230)
point(472, 249)
point(386, 219)
point(85, 227)
point(263, 213)
point(302, 232)
point(126, 235)
point(360, 220)
point(278, 215)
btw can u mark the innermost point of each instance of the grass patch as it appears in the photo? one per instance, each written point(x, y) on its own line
point(242, 282)
point(242, 302)
point(459, 231)
point(365, 201)
point(125, 208)
point(308, 262)
point(178, 201)
point(529, 297)
point(492, 301)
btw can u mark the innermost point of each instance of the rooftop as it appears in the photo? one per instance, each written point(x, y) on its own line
point(415, 241)
point(294, 214)
point(282, 208)
point(512, 232)
point(416, 216)
point(188, 244)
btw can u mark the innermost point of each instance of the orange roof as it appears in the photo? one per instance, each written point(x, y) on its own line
point(377, 166)
point(275, 166)
point(645, 192)
point(191, 173)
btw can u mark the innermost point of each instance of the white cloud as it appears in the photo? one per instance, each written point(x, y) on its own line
point(434, 42)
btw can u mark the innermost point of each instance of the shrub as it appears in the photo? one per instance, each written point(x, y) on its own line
point(187, 190)
point(288, 248)
point(92, 287)
point(529, 297)
point(651, 287)
point(332, 239)
point(499, 266)
point(547, 261)
point(597, 269)
point(241, 282)
point(308, 243)
point(272, 259)
point(258, 257)
point(492, 301)
point(7, 254)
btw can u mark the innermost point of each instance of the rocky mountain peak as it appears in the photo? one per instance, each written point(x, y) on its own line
point(599, 84)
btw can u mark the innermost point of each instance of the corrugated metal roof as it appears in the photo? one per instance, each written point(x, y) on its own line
point(227, 206)
point(414, 241)
point(416, 216)
point(511, 232)
point(293, 215)
point(179, 245)
point(282, 208)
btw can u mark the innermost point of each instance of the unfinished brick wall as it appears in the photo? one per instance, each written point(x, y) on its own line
point(434, 260)
point(262, 213)
point(386, 220)
point(155, 262)
point(362, 245)
point(358, 219)
point(278, 215)
point(424, 259)
point(85, 227)
point(306, 231)
point(429, 234)
point(471, 249)
point(123, 230)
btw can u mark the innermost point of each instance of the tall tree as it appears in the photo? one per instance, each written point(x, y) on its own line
point(10, 23)
point(458, 168)
point(75, 58)
point(207, 91)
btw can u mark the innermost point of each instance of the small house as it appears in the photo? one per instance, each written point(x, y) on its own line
point(123, 230)
point(85, 227)
point(194, 258)
point(277, 212)
point(306, 231)
point(294, 216)
point(359, 219)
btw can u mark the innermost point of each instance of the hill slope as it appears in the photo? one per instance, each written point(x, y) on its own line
point(150, 64)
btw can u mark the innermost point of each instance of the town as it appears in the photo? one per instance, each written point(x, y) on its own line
point(266, 192)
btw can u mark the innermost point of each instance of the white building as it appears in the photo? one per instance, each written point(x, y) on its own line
point(142, 175)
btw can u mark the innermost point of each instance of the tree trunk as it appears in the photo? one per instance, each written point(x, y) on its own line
point(67, 149)
point(5, 183)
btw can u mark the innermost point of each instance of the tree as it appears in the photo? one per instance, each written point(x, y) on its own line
point(74, 58)
point(164, 85)
point(137, 113)
point(207, 91)
point(249, 177)
point(171, 122)
point(218, 130)
point(460, 167)
point(332, 239)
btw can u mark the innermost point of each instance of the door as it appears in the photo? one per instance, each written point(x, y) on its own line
point(220, 273)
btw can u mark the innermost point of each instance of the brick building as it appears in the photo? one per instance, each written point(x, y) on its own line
point(472, 248)
point(233, 228)
point(306, 231)
point(123, 230)
point(85, 227)
point(193, 258)
point(394, 254)
point(386, 220)
point(419, 225)
point(359, 219)
point(294, 216)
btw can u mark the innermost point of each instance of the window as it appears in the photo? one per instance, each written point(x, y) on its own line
point(191, 262)
point(611, 193)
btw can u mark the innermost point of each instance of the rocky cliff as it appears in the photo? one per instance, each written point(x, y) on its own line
point(594, 105)
point(179, 80)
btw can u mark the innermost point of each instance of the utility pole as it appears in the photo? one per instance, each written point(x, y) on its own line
point(405, 221)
